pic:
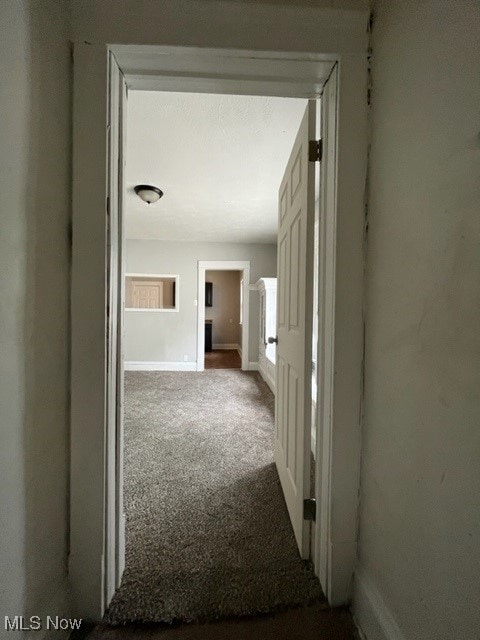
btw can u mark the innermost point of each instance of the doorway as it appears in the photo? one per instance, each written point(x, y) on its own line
point(348, 180)
point(170, 413)
point(224, 319)
point(235, 295)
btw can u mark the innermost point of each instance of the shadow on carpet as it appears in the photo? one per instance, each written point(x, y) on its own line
point(208, 533)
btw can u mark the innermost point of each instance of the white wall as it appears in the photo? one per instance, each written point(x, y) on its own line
point(168, 337)
point(34, 284)
point(420, 514)
point(331, 26)
point(225, 310)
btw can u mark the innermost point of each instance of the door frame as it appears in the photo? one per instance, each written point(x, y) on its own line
point(249, 72)
point(223, 265)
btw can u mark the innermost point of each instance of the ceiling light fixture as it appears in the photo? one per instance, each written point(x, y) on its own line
point(148, 193)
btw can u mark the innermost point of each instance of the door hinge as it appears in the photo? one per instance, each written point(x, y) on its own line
point(315, 150)
point(309, 509)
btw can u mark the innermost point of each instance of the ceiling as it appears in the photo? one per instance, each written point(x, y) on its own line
point(219, 159)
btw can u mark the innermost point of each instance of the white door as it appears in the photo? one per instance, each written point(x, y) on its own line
point(148, 295)
point(294, 322)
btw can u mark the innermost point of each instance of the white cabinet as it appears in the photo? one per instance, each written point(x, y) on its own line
point(267, 288)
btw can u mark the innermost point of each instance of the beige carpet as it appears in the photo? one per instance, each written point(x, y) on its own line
point(208, 534)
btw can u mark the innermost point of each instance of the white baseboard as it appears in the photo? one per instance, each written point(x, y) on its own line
point(372, 616)
point(229, 346)
point(253, 366)
point(268, 380)
point(160, 366)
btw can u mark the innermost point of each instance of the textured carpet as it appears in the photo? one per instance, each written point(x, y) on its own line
point(208, 534)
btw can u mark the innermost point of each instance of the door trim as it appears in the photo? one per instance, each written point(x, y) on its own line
point(340, 351)
point(223, 265)
point(218, 71)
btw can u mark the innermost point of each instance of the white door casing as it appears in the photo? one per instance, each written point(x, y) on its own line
point(96, 497)
point(294, 327)
point(120, 517)
point(340, 331)
point(249, 72)
point(114, 558)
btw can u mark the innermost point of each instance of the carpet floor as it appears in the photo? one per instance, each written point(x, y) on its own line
point(208, 533)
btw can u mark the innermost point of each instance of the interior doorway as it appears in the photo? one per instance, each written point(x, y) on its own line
point(218, 430)
point(236, 298)
point(333, 570)
point(224, 319)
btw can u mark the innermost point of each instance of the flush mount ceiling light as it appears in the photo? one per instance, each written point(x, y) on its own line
point(148, 193)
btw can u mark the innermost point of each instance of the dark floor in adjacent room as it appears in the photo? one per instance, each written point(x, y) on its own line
point(223, 359)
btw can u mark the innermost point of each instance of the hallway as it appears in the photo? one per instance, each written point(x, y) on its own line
point(208, 533)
